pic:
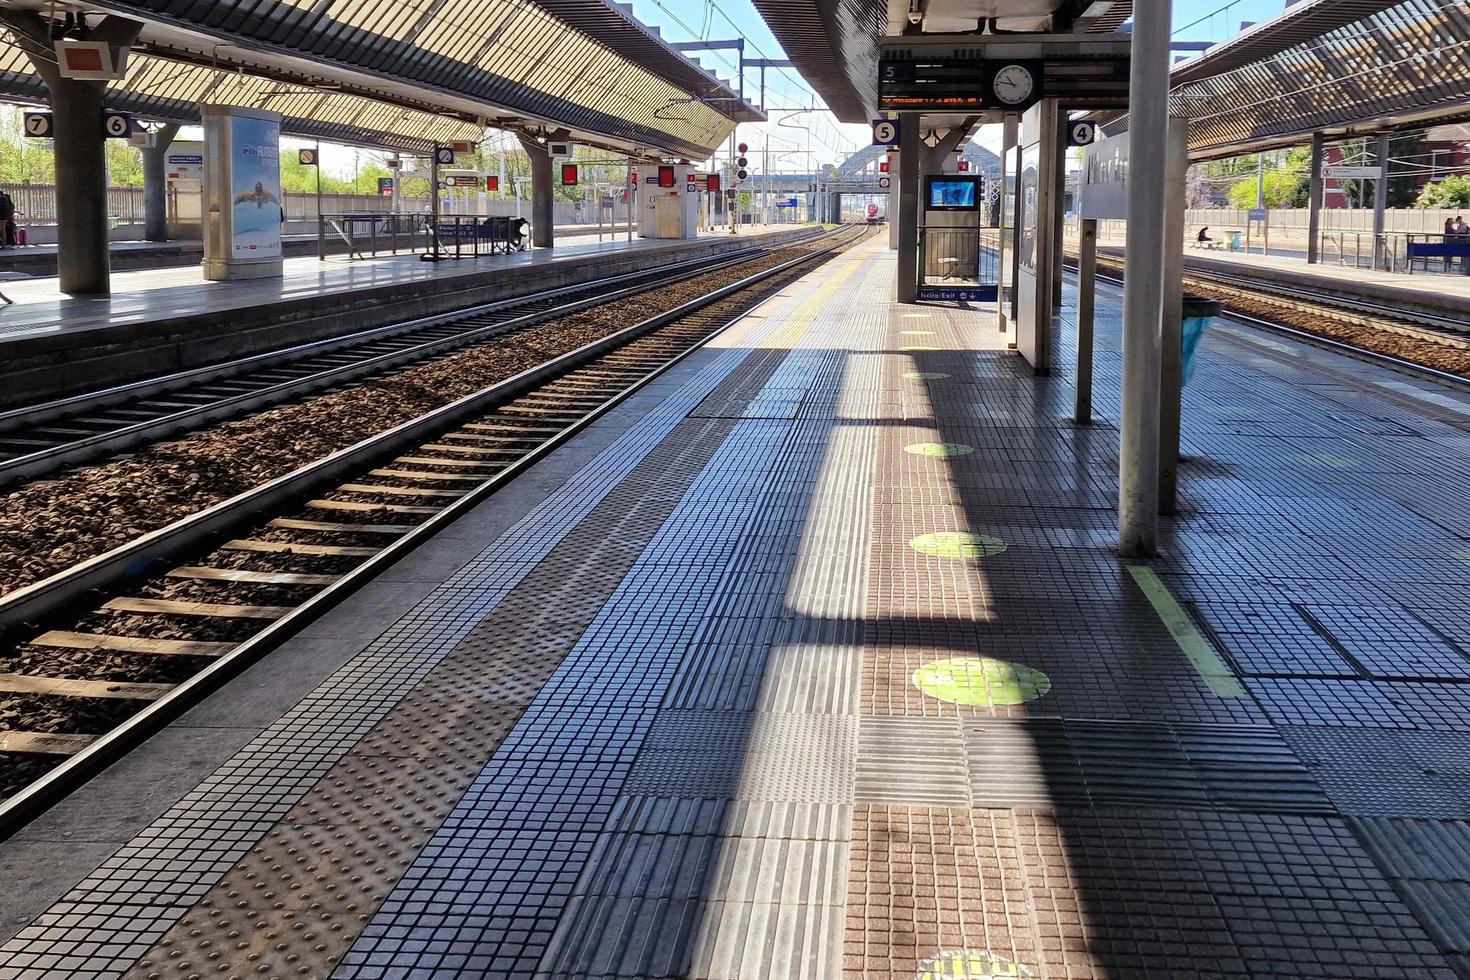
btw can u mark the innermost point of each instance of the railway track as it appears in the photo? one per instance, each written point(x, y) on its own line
point(1429, 346)
point(39, 440)
point(107, 651)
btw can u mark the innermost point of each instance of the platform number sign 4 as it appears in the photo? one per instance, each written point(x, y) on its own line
point(1082, 133)
point(117, 125)
point(38, 124)
point(885, 132)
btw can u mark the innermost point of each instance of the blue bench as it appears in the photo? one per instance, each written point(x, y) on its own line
point(1447, 251)
point(1439, 250)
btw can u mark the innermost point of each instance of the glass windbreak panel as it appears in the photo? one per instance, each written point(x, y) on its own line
point(1030, 206)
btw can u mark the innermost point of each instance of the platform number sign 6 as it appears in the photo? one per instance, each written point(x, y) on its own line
point(1082, 133)
point(116, 125)
point(38, 124)
point(885, 132)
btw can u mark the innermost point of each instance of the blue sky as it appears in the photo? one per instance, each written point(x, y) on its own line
point(829, 141)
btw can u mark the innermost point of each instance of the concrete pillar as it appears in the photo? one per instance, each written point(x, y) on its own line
point(82, 259)
point(1314, 200)
point(1380, 204)
point(155, 185)
point(81, 162)
point(910, 151)
point(1143, 293)
point(541, 192)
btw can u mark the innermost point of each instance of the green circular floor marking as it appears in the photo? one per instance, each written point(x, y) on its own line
point(926, 375)
point(938, 449)
point(917, 350)
point(981, 681)
point(957, 544)
point(1462, 555)
point(917, 333)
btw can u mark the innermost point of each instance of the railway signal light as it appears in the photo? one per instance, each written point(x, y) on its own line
point(744, 149)
point(742, 173)
point(742, 162)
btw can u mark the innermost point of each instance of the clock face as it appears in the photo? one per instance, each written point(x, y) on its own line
point(1014, 84)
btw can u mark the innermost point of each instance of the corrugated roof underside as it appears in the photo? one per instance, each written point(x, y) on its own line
point(510, 55)
point(835, 47)
point(1409, 59)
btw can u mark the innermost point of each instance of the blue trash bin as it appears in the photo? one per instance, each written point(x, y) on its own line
point(1199, 313)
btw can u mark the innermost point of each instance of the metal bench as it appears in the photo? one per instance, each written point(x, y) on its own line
point(1446, 250)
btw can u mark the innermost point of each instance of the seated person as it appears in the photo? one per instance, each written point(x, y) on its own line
point(1203, 239)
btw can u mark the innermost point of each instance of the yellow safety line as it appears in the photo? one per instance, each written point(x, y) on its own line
point(1216, 672)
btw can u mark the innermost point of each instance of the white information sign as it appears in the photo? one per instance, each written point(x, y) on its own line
point(1341, 172)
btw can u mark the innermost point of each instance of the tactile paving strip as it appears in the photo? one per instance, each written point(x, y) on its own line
point(1377, 772)
point(1429, 863)
point(752, 756)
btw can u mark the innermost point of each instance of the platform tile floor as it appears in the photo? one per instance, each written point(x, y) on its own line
point(826, 669)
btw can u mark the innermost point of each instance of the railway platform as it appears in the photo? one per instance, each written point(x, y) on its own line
point(161, 320)
point(1436, 294)
point(813, 658)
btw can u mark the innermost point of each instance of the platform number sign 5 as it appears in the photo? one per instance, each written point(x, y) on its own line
point(1082, 133)
point(116, 125)
point(38, 124)
point(885, 132)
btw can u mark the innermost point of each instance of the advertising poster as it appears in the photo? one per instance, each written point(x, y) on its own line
point(255, 187)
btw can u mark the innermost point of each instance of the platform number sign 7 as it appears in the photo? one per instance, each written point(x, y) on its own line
point(885, 132)
point(38, 124)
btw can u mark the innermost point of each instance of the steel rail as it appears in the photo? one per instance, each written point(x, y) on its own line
point(1337, 346)
point(135, 559)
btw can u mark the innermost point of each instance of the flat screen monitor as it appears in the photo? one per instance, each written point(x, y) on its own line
point(949, 193)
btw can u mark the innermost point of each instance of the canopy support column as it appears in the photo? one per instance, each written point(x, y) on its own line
point(82, 260)
point(1380, 204)
point(1143, 291)
point(1314, 201)
point(155, 184)
point(911, 153)
point(542, 234)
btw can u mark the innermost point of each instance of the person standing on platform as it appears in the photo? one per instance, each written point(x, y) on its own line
point(7, 218)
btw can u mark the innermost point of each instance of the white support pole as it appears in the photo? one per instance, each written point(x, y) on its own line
point(1143, 294)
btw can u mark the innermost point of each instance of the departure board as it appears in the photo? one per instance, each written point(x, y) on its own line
point(936, 84)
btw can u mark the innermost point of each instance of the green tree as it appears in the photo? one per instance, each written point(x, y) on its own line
point(23, 160)
point(1281, 190)
point(124, 164)
point(1452, 192)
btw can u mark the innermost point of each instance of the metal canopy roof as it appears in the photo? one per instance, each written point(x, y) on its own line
point(1315, 68)
point(835, 42)
point(325, 64)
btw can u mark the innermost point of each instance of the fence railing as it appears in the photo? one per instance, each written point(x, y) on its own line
point(957, 257)
point(36, 204)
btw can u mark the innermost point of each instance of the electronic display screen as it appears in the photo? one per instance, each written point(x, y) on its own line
point(952, 194)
